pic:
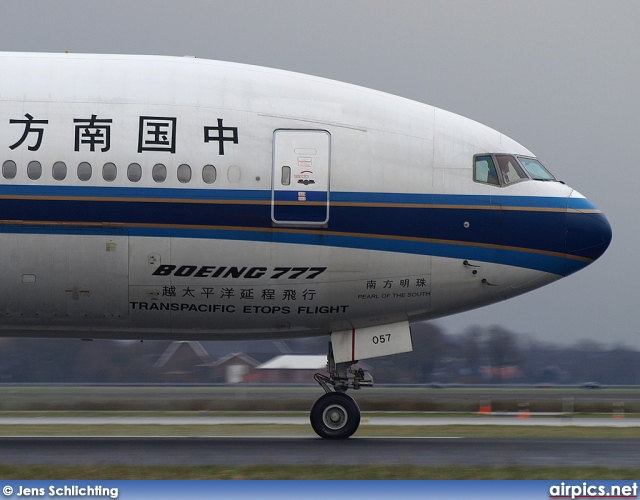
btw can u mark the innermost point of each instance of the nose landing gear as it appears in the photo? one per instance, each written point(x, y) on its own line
point(336, 415)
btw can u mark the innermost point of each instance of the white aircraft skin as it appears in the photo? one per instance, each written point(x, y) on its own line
point(185, 199)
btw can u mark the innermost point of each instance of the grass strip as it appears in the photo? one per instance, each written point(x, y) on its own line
point(32, 472)
point(305, 414)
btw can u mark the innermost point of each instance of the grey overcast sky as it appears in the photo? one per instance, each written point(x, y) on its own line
point(560, 77)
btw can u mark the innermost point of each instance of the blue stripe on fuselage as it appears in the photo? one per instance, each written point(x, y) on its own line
point(522, 231)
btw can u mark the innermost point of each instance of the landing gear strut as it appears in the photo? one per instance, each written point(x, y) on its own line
point(336, 415)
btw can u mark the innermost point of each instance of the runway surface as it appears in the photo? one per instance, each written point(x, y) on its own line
point(244, 451)
point(548, 421)
point(235, 451)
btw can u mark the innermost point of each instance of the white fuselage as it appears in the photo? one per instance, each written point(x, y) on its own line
point(157, 197)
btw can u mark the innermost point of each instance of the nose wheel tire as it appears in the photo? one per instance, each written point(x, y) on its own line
point(335, 416)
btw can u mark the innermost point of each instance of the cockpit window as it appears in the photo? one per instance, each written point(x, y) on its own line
point(503, 169)
point(510, 169)
point(535, 169)
point(484, 170)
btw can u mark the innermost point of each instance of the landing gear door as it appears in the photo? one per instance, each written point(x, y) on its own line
point(300, 180)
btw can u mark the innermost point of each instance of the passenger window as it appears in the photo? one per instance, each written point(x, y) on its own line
point(234, 174)
point(510, 169)
point(159, 172)
point(184, 173)
point(9, 169)
point(84, 171)
point(134, 172)
point(59, 171)
point(109, 172)
point(34, 170)
point(484, 170)
point(209, 174)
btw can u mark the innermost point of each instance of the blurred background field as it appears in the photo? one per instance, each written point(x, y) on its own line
point(299, 397)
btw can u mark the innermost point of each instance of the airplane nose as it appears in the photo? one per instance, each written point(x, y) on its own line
point(588, 233)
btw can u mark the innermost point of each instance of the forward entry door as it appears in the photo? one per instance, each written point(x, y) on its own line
point(300, 180)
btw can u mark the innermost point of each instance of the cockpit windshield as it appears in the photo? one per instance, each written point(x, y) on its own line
point(535, 169)
point(510, 169)
point(503, 169)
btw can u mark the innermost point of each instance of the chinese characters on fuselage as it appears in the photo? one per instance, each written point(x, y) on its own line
point(155, 133)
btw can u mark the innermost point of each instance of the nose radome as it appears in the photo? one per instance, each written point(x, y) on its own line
point(588, 233)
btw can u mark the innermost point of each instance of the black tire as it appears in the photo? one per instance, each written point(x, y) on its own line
point(335, 416)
